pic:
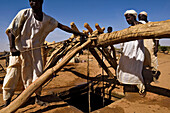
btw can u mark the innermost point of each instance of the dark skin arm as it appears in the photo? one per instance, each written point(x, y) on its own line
point(156, 47)
point(69, 30)
point(11, 38)
point(113, 50)
point(13, 49)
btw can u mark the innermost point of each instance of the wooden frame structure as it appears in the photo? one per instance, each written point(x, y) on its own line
point(95, 39)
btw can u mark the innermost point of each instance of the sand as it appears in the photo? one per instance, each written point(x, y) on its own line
point(156, 100)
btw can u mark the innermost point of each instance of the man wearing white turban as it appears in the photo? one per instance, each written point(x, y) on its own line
point(151, 46)
point(129, 70)
point(143, 17)
point(132, 12)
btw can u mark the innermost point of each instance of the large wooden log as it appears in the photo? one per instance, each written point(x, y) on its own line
point(25, 95)
point(159, 29)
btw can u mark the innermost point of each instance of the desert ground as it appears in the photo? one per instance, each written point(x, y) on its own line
point(67, 91)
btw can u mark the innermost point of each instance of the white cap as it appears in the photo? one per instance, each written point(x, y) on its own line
point(133, 12)
point(144, 13)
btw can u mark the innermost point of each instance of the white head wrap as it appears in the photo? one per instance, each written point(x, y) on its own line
point(133, 12)
point(144, 13)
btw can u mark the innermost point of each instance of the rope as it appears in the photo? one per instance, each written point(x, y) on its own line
point(88, 80)
point(103, 80)
point(37, 48)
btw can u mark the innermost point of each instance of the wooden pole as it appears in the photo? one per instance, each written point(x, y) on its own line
point(101, 63)
point(57, 57)
point(53, 55)
point(99, 28)
point(74, 27)
point(58, 54)
point(86, 25)
point(108, 57)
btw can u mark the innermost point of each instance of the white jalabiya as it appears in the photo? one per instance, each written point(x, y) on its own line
point(129, 70)
point(143, 22)
point(29, 33)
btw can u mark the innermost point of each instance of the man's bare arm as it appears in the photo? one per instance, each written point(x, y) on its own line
point(156, 47)
point(67, 29)
point(13, 49)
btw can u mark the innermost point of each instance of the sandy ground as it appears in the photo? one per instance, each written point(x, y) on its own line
point(156, 100)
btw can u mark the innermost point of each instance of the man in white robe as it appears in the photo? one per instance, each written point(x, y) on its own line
point(151, 46)
point(28, 30)
point(129, 70)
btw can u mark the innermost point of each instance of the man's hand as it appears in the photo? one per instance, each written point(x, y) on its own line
point(67, 29)
point(81, 34)
point(155, 51)
point(15, 52)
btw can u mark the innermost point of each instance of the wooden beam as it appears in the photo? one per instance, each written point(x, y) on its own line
point(159, 29)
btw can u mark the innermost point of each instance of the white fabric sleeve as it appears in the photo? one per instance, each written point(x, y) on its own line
point(13, 27)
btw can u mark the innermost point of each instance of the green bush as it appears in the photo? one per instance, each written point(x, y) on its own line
point(164, 48)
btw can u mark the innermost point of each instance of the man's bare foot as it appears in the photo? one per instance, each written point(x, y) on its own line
point(40, 102)
point(143, 94)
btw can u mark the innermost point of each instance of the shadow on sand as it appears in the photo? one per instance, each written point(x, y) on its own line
point(152, 76)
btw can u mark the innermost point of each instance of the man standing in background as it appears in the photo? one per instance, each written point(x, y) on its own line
point(151, 46)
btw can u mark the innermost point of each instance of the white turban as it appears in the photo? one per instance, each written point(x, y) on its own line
point(144, 13)
point(133, 12)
